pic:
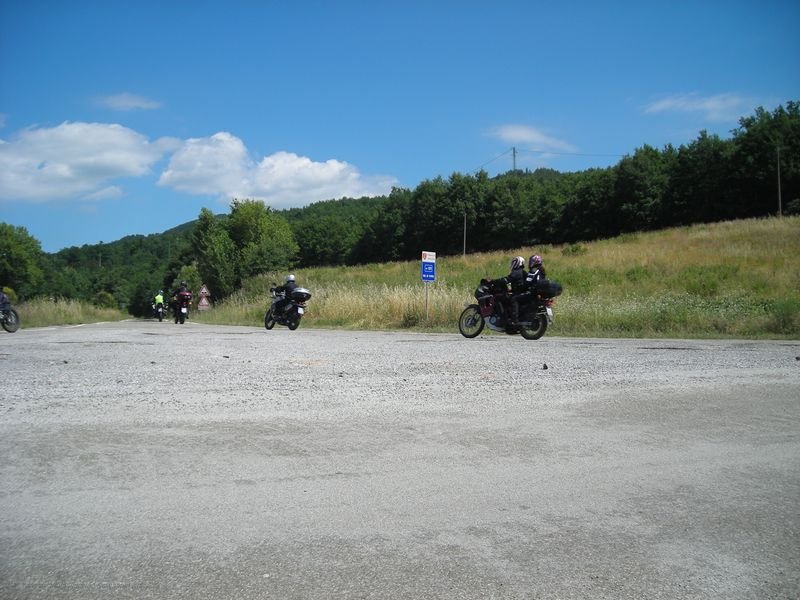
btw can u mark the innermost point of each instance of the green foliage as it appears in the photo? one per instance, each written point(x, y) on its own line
point(103, 299)
point(574, 250)
point(253, 239)
point(20, 260)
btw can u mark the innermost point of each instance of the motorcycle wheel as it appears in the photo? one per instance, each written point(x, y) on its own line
point(183, 318)
point(536, 329)
point(269, 322)
point(293, 323)
point(471, 322)
point(10, 320)
point(160, 317)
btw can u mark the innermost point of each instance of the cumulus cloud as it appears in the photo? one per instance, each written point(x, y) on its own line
point(126, 102)
point(74, 160)
point(720, 107)
point(83, 161)
point(221, 166)
point(532, 137)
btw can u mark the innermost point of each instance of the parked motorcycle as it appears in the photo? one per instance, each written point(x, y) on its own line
point(291, 313)
point(182, 303)
point(493, 309)
point(9, 318)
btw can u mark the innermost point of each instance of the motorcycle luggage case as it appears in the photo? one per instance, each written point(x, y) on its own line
point(300, 294)
point(548, 288)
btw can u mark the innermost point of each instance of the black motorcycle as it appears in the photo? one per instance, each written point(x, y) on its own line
point(287, 313)
point(494, 309)
point(9, 318)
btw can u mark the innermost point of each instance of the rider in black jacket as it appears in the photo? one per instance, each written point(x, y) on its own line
point(516, 281)
point(286, 289)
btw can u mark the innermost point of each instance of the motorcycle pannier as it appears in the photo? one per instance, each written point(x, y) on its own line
point(548, 288)
point(300, 294)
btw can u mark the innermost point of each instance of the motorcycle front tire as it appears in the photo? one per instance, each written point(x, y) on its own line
point(10, 320)
point(536, 329)
point(269, 322)
point(471, 322)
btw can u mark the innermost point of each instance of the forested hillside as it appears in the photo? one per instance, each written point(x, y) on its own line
point(709, 179)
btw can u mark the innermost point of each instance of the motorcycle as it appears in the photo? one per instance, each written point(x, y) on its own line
point(158, 311)
point(182, 302)
point(492, 309)
point(9, 318)
point(292, 313)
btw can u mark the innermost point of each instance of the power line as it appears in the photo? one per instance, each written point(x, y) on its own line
point(492, 160)
point(532, 150)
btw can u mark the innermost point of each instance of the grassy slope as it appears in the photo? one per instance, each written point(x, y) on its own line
point(734, 279)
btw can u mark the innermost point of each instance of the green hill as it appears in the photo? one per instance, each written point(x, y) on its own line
point(732, 279)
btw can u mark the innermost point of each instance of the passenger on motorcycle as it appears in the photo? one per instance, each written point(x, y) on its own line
point(285, 289)
point(536, 270)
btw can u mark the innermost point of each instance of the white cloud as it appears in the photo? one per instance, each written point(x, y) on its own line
point(127, 102)
point(83, 161)
point(720, 107)
point(535, 138)
point(74, 160)
point(221, 166)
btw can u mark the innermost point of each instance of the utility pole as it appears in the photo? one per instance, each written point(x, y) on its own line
point(780, 207)
point(514, 157)
point(465, 232)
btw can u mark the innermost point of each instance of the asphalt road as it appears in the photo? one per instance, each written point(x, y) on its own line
point(154, 460)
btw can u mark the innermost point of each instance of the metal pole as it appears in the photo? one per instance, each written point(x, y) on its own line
point(780, 207)
point(426, 300)
point(465, 232)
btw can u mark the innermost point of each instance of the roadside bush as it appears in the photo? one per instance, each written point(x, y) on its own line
point(104, 299)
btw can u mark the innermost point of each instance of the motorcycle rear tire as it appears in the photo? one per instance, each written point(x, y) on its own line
point(471, 322)
point(182, 318)
point(269, 322)
point(293, 323)
point(10, 320)
point(536, 329)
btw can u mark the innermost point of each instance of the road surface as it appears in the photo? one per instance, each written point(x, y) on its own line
point(153, 460)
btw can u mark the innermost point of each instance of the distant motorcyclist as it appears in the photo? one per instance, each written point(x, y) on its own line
point(181, 291)
point(286, 289)
point(158, 300)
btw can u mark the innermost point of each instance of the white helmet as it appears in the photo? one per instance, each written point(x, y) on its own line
point(517, 263)
point(289, 278)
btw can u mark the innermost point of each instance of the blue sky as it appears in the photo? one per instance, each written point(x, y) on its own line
point(121, 118)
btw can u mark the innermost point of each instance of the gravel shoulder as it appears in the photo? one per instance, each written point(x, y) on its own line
point(152, 460)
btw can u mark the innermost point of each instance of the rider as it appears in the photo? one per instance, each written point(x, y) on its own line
point(536, 272)
point(516, 283)
point(286, 289)
point(181, 290)
point(159, 299)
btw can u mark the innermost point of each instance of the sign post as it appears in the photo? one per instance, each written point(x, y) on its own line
point(428, 273)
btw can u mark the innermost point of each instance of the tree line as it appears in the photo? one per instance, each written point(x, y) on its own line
point(709, 179)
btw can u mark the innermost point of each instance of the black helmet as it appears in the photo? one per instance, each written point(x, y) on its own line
point(183, 284)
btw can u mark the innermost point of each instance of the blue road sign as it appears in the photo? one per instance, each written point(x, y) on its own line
point(428, 271)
